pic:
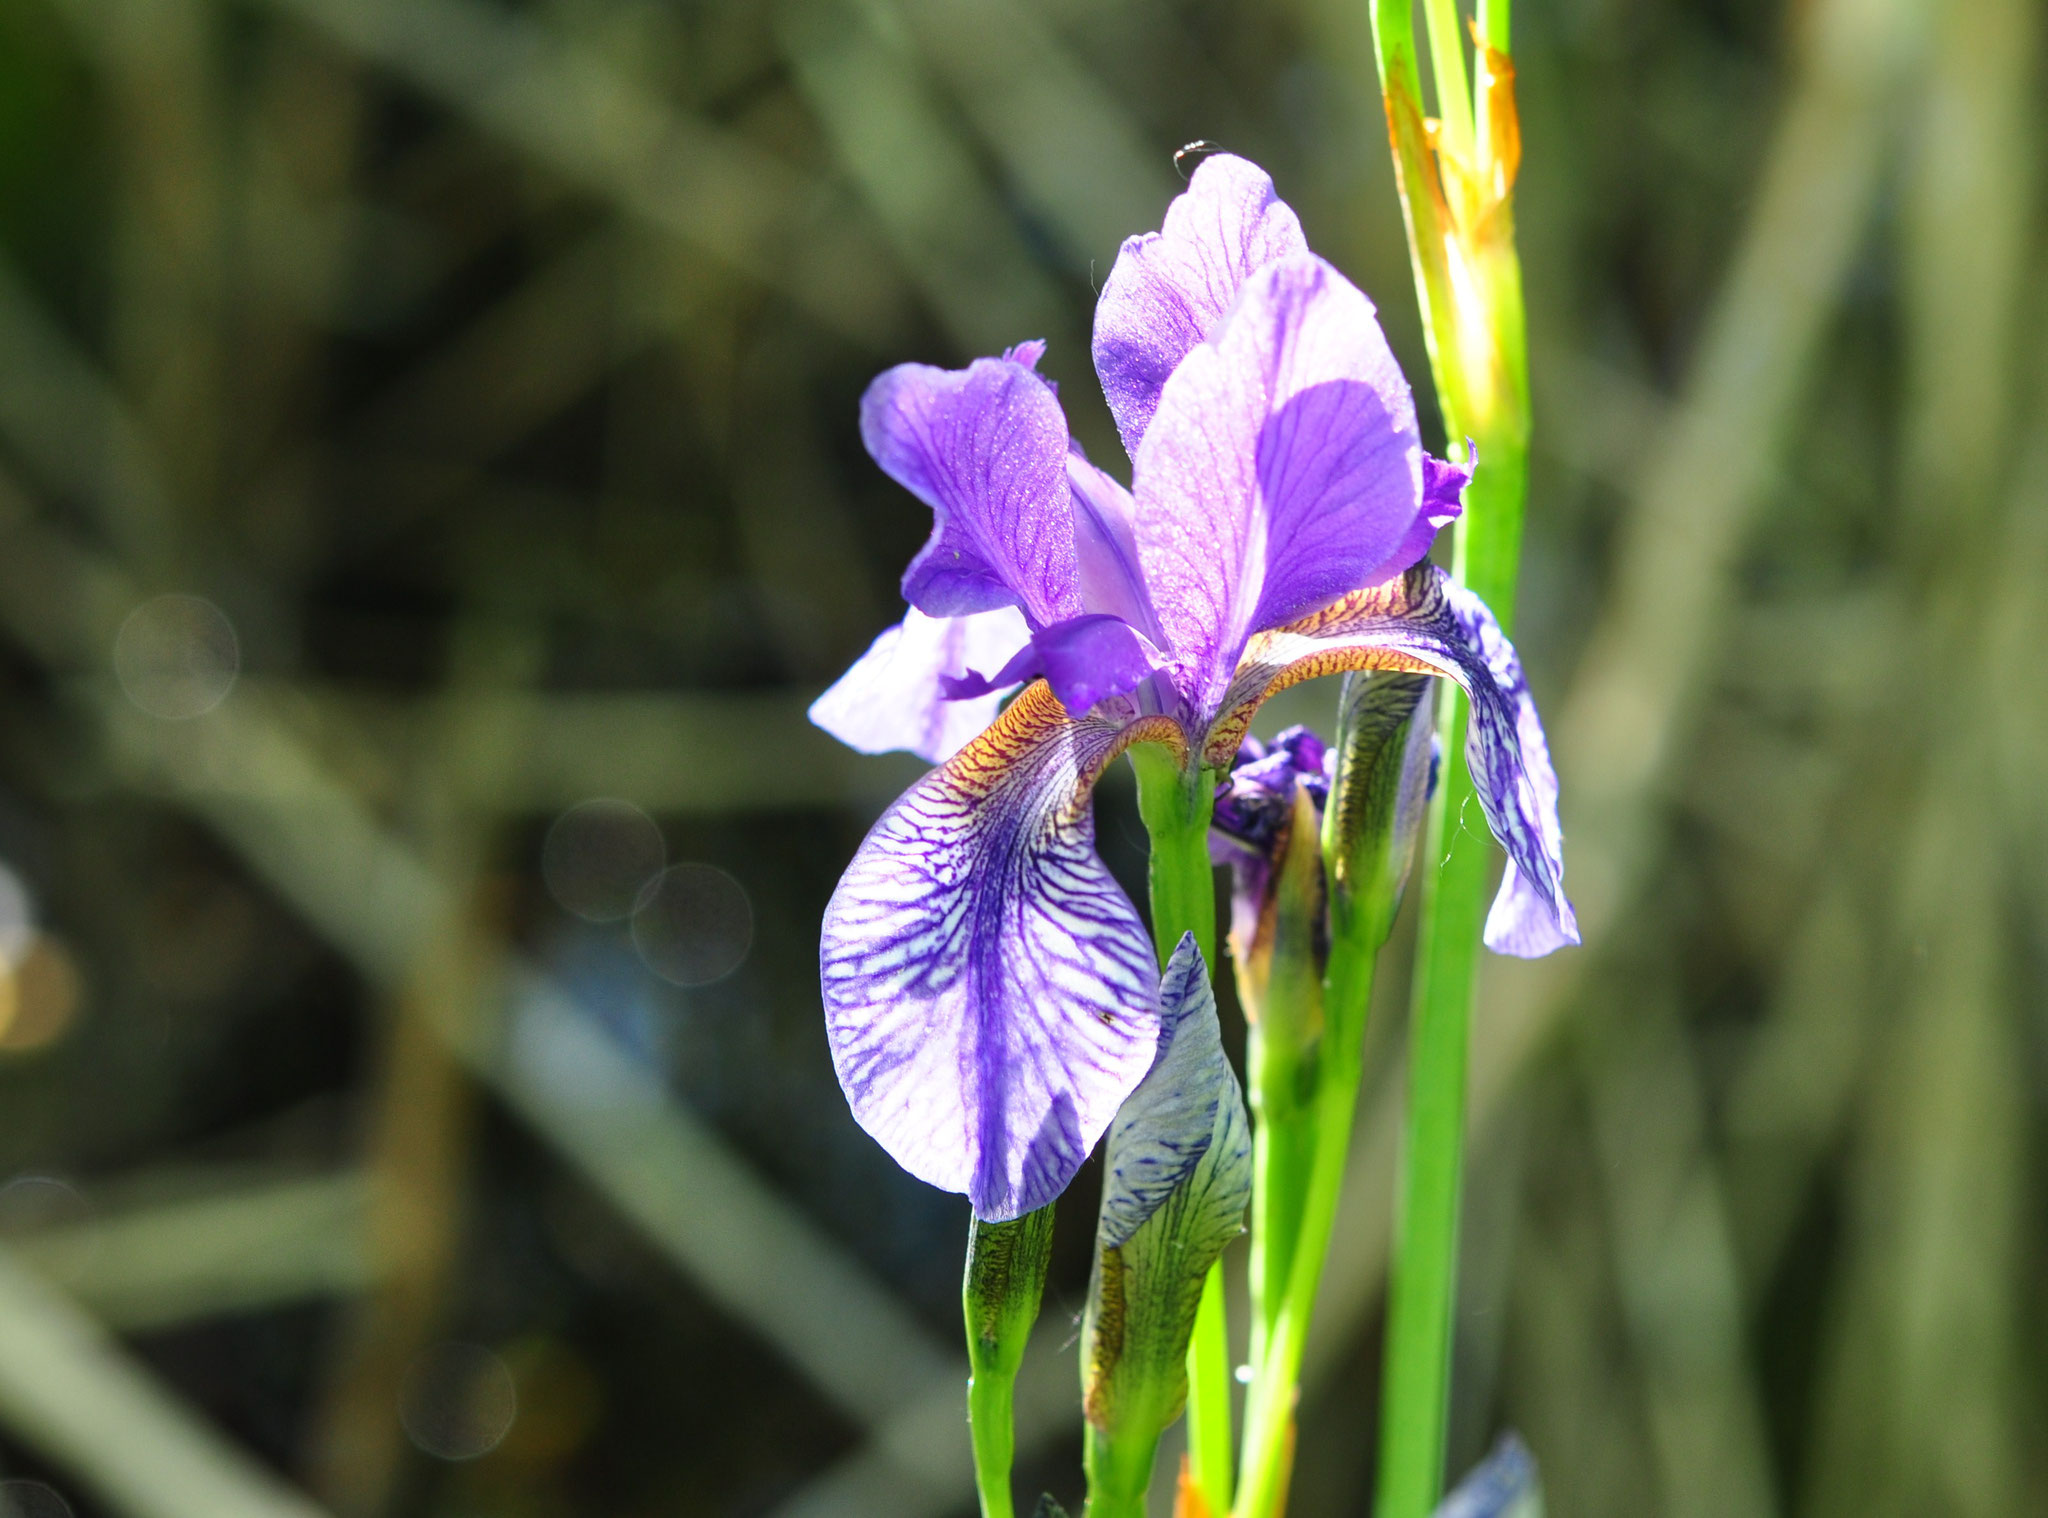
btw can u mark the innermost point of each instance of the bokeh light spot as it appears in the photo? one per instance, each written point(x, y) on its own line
point(177, 656)
point(694, 925)
point(39, 997)
point(599, 857)
point(17, 917)
point(31, 1499)
point(457, 1401)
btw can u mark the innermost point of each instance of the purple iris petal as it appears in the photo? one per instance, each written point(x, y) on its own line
point(986, 448)
point(1443, 502)
point(1090, 659)
point(1170, 288)
point(991, 996)
point(1281, 470)
point(894, 698)
point(1085, 660)
point(1106, 547)
point(1423, 623)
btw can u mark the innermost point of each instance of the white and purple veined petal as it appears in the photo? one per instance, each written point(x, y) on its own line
point(1423, 623)
point(895, 695)
point(1282, 470)
point(1188, 1105)
point(991, 995)
point(986, 448)
point(1168, 289)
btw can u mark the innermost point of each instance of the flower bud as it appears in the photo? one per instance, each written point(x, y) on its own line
point(1177, 1180)
point(1267, 826)
point(1006, 1265)
point(1385, 772)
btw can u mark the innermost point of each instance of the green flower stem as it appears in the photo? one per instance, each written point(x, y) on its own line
point(1119, 1472)
point(1006, 1266)
point(1269, 1418)
point(1478, 356)
point(1282, 994)
point(1175, 802)
point(1447, 60)
point(991, 1425)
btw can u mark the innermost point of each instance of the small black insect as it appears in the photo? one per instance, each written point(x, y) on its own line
point(1188, 154)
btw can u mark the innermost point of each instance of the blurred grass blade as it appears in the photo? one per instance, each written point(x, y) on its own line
point(69, 1393)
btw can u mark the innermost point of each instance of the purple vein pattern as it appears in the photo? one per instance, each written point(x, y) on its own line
point(977, 896)
point(1423, 623)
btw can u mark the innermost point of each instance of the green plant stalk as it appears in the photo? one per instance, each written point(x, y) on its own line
point(1005, 1281)
point(1175, 801)
point(1281, 990)
point(1365, 852)
point(1269, 1418)
point(1487, 399)
point(992, 1428)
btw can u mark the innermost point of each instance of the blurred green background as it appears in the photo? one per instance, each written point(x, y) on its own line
point(430, 496)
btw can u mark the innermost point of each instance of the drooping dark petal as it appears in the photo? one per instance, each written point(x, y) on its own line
point(894, 696)
point(1169, 289)
point(1281, 471)
point(986, 448)
point(1423, 623)
point(991, 996)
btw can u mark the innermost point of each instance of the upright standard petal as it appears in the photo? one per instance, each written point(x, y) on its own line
point(991, 996)
point(1282, 470)
point(894, 696)
point(1169, 289)
point(1423, 623)
point(986, 448)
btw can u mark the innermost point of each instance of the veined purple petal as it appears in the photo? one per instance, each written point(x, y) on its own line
point(1281, 471)
point(986, 448)
point(1423, 623)
point(991, 996)
point(894, 695)
point(1169, 289)
point(1443, 502)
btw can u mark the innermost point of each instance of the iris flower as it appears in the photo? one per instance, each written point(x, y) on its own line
point(991, 995)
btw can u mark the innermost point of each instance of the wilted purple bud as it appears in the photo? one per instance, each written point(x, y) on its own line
point(1251, 826)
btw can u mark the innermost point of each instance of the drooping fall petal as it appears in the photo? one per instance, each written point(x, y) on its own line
point(1424, 623)
point(991, 995)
